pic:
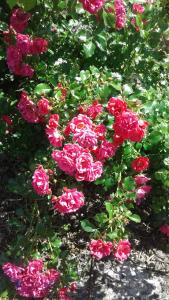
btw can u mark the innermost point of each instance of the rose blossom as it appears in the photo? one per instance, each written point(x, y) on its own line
point(32, 281)
point(54, 137)
point(138, 8)
point(100, 131)
point(142, 191)
point(95, 172)
point(14, 58)
point(128, 126)
point(28, 109)
point(94, 110)
point(86, 138)
point(120, 14)
point(105, 151)
point(122, 250)
point(66, 159)
point(100, 249)
point(19, 19)
point(141, 179)
point(165, 229)
point(84, 162)
point(43, 106)
point(25, 70)
point(38, 46)
point(140, 164)
point(23, 43)
point(40, 181)
point(92, 6)
point(116, 106)
point(81, 122)
point(70, 201)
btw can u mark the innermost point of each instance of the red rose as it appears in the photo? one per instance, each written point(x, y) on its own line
point(140, 164)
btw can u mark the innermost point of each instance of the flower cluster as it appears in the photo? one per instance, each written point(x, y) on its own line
point(120, 14)
point(24, 45)
point(40, 182)
point(70, 201)
point(92, 6)
point(31, 112)
point(100, 249)
point(127, 125)
point(141, 164)
point(32, 281)
point(78, 162)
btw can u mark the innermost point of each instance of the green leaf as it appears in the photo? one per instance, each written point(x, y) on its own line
point(42, 89)
point(27, 4)
point(89, 49)
point(135, 218)
point(87, 226)
point(101, 41)
point(109, 208)
point(129, 184)
point(101, 218)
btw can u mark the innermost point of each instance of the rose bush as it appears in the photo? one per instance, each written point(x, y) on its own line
point(84, 121)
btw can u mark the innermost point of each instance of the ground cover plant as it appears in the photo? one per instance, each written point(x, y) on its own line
point(83, 136)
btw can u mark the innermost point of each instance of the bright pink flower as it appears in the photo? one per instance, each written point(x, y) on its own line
point(39, 46)
point(7, 120)
point(140, 164)
point(70, 201)
point(81, 122)
point(53, 121)
point(100, 249)
point(32, 281)
point(120, 14)
point(138, 8)
point(12, 271)
point(142, 191)
point(23, 43)
point(66, 159)
point(94, 110)
point(92, 6)
point(122, 250)
point(95, 172)
point(40, 182)
point(117, 140)
point(54, 137)
point(14, 58)
point(86, 138)
point(43, 106)
point(141, 179)
point(84, 162)
point(62, 294)
point(116, 106)
point(105, 151)
point(128, 126)
point(165, 229)
point(19, 19)
point(100, 131)
point(25, 70)
point(28, 109)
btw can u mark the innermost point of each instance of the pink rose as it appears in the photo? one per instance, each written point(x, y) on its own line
point(116, 106)
point(86, 138)
point(81, 122)
point(92, 6)
point(141, 179)
point(105, 151)
point(19, 19)
point(94, 110)
point(32, 281)
point(39, 46)
point(122, 250)
point(28, 109)
point(23, 43)
point(84, 162)
point(100, 249)
point(142, 191)
point(70, 201)
point(120, 14)
point(40, 182)
point(54, 137)
point(138, 8)
point(43, 106)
